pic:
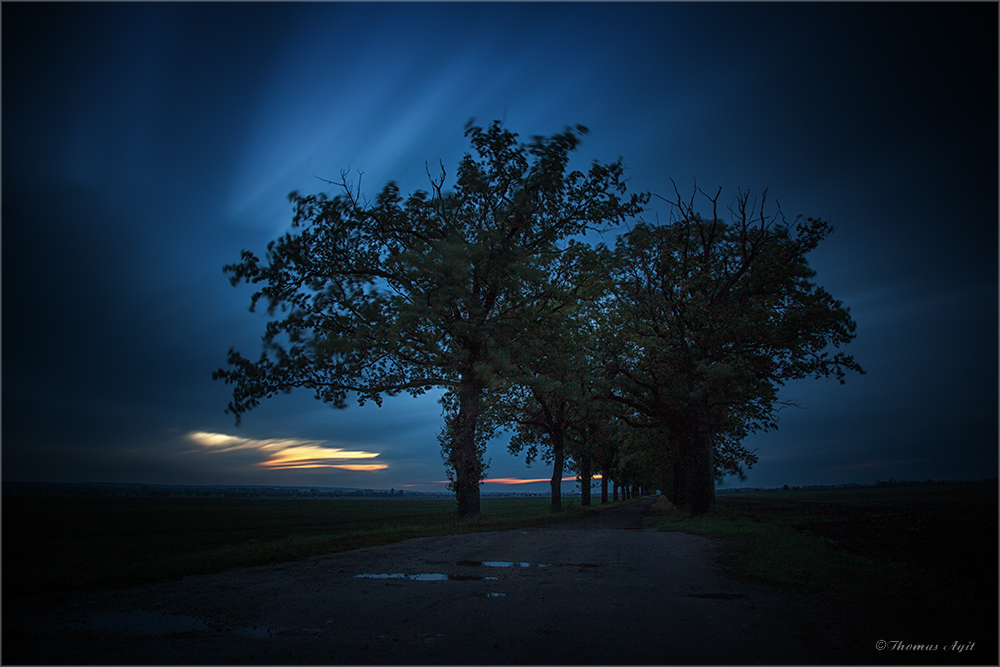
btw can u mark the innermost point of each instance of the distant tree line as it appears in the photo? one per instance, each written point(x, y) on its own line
point(647, 362)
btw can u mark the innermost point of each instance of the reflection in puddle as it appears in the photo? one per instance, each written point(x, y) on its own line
point(422, 577)
point(270, 631)
point(497, 563)
point(496, 595)
point(261, 631)
point(144, 623)
point(414, 577)
point(455, 577)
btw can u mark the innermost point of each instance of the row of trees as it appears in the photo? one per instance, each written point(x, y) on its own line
point(647, 362)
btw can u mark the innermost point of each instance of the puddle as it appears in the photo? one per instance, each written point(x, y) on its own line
point(496, 595)
point(497, 563)
point(720, 596)
point(414, 577)
point(261, 632)
point(422, 577)
point(270, 631)
point(143, 623)
point(457, 577)
point(503, 563)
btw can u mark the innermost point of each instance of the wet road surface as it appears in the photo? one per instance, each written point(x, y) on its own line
point(599, 590)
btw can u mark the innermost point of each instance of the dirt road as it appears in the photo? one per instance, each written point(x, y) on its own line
point(600, 590)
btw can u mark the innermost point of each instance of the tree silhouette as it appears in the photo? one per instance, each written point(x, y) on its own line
point(712, 318)
point(436, 290)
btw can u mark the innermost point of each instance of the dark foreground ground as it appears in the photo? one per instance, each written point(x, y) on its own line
point(601, 590)
point(942, 541)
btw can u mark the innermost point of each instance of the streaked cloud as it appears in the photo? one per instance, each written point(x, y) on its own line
point(361, 467)
point(289, 453)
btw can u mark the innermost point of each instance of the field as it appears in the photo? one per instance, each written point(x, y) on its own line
point(72, 544)
point(913, 563)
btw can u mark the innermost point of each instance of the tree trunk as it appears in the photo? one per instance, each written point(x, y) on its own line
point(585, 476)
point(604, 488)
point(695, 479)
point(465, 458)
point(558, 463)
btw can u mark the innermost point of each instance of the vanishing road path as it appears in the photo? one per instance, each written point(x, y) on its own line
point(599, 590)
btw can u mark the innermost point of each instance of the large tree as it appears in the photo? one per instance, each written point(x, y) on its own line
point(718, 315)
point(374, 299)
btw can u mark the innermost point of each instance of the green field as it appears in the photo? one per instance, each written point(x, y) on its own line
point(904, 562)
point(70, 544)
point(814, 539)
point(941, 538)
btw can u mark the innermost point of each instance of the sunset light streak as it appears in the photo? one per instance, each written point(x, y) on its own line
point(508, 481)
point(289, 453)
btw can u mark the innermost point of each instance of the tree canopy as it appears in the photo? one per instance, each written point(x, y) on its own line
point(437, 290)
point(650, 361)
point(717, 317)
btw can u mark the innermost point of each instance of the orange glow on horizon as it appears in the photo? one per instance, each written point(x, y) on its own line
point(517, 480)
point(514, 480)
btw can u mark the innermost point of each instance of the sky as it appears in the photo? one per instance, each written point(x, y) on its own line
point(145, 145)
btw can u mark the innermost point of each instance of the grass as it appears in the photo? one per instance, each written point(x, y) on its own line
point(777, 537)
point(73, 544)
point(905, 561)
point(766, 548)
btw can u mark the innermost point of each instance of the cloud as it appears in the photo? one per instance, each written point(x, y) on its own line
point(289, 453)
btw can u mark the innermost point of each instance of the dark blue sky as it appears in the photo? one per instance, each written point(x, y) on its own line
point(146, 145)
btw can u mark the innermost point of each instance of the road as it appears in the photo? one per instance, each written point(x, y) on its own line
point(599, 590)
